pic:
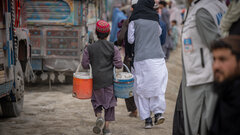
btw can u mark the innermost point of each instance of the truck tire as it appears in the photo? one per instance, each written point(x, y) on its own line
point(14, 108)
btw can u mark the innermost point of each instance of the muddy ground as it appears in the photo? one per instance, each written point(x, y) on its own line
point(56, 112)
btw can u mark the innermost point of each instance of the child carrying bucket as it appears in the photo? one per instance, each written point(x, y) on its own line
point(103, 56)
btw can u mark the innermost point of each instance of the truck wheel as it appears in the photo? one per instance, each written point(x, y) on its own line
point(13, 108)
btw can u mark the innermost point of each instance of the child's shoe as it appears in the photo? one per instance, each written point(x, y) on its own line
point(148, 123)
point(159, 119)
point(99, 123)
point(106, 131)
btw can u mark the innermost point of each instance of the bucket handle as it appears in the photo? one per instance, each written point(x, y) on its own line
point(114, 71)
point(90, 70)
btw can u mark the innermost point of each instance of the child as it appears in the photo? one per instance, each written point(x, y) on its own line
point(174, 33)
point(103, 56)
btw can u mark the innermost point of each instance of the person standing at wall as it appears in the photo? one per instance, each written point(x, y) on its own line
point(150, 71)
point(200, 28)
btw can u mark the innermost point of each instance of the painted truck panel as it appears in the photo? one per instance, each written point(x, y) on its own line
point(59, 31)
point(56, 33)
point(14, 57)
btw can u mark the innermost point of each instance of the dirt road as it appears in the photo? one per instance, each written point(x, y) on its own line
point(56, 112)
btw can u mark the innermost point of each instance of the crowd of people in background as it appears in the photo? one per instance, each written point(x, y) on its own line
point(169, 15)
point(208, 100)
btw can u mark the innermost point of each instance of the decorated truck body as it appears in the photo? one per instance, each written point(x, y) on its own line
point(14, 57)
point(59, 30)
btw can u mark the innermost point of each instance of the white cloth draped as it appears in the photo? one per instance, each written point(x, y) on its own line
point(150, 85)
point(151, 77)
point(145, 106)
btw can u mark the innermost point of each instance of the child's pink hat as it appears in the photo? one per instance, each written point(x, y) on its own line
point(102, 26)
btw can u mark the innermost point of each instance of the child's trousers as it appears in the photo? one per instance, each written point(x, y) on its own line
point(109, 114)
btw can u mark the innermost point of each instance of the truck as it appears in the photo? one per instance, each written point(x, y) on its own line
point(15, 53)
point(59, 31)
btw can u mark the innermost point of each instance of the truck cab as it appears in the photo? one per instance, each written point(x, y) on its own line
point(14, 58)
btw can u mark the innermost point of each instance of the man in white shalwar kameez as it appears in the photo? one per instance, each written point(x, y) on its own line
point(150, 72)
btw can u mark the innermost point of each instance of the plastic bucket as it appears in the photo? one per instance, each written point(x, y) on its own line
point(123, 83)
point(82, 84)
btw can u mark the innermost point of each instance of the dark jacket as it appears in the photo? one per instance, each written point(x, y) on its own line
point(235, 28)
point(129, 48)
point(101, 56)
point(226, 120)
